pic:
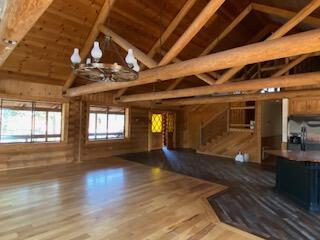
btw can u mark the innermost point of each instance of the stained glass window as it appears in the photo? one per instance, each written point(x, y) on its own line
point(156, 123)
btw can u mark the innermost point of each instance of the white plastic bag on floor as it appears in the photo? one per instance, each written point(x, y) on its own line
point(239, 157)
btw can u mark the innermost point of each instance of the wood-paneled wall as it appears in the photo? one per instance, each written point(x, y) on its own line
point(75, 147)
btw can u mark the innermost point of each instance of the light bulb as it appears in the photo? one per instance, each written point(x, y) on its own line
point(88, 61)
point(75, 58)
point(130, 59)
point(96, 52)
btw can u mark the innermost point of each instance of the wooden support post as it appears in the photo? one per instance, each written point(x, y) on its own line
point(279, 33)
point(293, 45)
point(306, 79)
point(102, 17)
point(18, 19)
point(209, 10)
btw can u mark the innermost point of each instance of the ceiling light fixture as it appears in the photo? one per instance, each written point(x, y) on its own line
point(119, 70)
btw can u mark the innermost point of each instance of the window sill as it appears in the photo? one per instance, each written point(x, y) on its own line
point(9, 146)
point(105, 141)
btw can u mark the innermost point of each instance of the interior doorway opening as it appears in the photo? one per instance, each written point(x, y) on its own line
point(162, 130)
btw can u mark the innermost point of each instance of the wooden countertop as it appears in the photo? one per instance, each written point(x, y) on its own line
point(300, 156)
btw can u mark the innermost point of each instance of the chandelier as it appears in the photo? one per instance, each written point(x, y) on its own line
point(119, 70)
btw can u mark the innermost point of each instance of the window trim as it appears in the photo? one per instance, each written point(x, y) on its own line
point(127, 125)
point(64, 121)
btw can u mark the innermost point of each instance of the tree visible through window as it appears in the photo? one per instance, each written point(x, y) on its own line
point(107, 123)
point(25, 121)
point(156, 123)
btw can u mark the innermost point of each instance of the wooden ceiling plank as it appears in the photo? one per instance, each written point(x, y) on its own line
point(227, 30)
point(172, 26)
point(287, 14)
point(165, 35)
point(209, 10)
point(29, 78)
point(101, 18)
point(284, 29)
point(20, 16)
point(297, 80)
point(241, 98)
point(293, 45)
point(215, 42)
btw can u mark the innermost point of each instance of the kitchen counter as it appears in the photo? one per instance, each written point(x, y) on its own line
point(300, 156)
point(297, 177)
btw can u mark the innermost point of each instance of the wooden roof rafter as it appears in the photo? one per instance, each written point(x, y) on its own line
point(284, 29)
point(294, 45)
point(297, 80)
point(165, 35)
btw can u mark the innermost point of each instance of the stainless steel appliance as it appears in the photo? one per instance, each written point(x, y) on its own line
point(304, 133)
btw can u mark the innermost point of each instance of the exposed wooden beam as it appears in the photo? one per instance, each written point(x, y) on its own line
point(101, 18)
point(227, 30)
point(293, 45)
point(215, 42)
point(19, 17)
point(165, 35)
point(291, 65)
point(241, 98)
point(314, 21)
point(285, 69)
point(172, 26)
point(313, 5)
point(141, 56)
point(209, 10)
point(306, 79)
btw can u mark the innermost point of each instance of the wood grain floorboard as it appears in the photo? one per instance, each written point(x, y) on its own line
point(108, 199)
point(250, 203)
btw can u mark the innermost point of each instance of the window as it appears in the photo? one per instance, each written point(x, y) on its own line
point(156, 126)
point(26, 122)
point(107, 123)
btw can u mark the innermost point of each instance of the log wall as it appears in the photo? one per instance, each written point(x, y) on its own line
point(75, 147)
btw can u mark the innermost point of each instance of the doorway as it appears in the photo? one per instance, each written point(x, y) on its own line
point(162, 130)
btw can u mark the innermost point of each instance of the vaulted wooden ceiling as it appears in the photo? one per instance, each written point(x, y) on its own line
point(44, 53)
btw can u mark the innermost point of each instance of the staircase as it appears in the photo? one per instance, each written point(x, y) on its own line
point(229, 144)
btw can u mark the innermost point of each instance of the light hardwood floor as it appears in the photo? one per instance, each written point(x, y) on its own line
point(111, 199)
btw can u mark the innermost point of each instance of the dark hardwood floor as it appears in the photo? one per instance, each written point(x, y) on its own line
point(250, 203)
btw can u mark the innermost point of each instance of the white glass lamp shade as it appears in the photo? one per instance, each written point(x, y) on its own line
point(75, 57)
point(96, 52)
point(88, 61)
point(132, 61)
